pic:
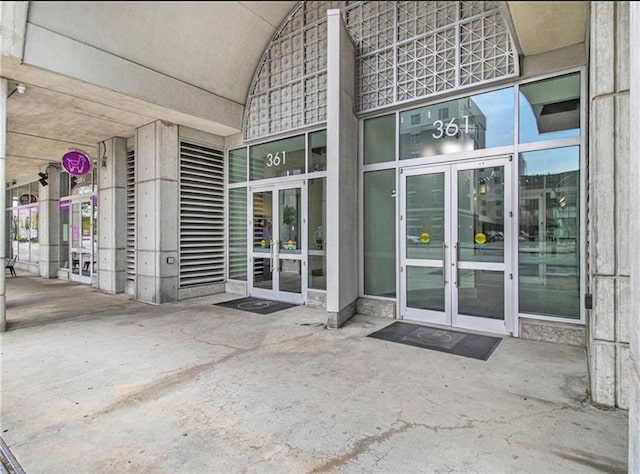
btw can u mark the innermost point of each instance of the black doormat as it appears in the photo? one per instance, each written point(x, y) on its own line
point(443, 340)
point(256, 305)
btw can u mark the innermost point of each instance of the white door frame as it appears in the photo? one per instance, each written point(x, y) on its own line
point(450, 263)
point(277, 255)
point(85, 255)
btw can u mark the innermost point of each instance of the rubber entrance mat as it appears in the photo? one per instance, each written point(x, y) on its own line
point(256, 305)
point(444, 340)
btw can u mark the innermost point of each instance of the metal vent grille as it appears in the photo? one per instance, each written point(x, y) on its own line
point(201, 215)
point(131, 216)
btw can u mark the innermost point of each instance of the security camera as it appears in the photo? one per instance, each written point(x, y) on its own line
point(21, 88)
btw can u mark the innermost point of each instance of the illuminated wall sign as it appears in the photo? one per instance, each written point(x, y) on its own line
point(27, 199)
point(76, 163)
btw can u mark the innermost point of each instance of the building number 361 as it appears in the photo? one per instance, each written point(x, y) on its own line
point(280, 158)
point(451, 128)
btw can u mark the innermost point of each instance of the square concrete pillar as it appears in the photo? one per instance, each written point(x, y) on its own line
point(49, 223)
point(611, 216)
point(157, 213)
point(112, 214)
point(633, 59)
point(342, 173)
point(603, 372)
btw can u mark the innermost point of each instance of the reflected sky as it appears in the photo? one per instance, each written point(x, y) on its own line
point(529, 127)
point(553, 161)
point(497, 107)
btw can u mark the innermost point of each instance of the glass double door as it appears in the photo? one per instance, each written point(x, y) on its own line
point(83, 239)
point(456, 245)
point(278, 236)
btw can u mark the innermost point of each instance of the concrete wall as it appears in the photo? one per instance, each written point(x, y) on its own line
point(13, 19)
point(634, 256)
point(342, 174)
point(609, 205)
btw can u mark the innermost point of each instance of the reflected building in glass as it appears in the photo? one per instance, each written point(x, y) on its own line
point(441, 129)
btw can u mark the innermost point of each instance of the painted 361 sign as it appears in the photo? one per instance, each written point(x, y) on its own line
point(76, 163)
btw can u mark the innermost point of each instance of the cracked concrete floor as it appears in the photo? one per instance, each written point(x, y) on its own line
point(101, 383)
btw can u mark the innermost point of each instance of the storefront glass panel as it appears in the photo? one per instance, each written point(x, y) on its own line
point(380, 139)
point(425, 288)
point(23, 223)
point(318, 151)
point(238, 234)
point(481, 214)
point(550, 109)
point(34, 251)
point(64, 233)
point(379, 237)
point(279, 158)
point(317, 192)
point(549, 237)
point(425, 216)
point(238, 165)
point(471, 123)
point(481, 293)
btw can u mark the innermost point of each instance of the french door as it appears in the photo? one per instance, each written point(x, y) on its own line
point(278, 242)
point(456, 245)
point(83, 239)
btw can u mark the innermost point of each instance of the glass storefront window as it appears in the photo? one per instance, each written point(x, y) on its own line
point(379, 239)
point(549, 235)
point(13, 232)
point(318, 151)
point(64, 231)
point(380, 139)
point(22, 221)
point(238, 234)
point(480, 217)
point(238, 165)
point(471, 123)
point(84, 184)
point(34, 251)
point(64, 184)
point(279, 158)
point(550, 109)
point(317, 218)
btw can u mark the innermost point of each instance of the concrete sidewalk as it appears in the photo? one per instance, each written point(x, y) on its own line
point(99, 383)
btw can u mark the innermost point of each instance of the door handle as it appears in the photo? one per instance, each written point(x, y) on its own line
point(444, 263)
point(457, 253)
point(271, 255)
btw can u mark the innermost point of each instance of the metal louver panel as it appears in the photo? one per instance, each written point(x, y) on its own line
point(201, 215)
point(131, 216)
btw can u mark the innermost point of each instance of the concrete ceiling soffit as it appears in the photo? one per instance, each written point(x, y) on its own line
point(546, 26)
point(212, 46)
point(13, 23)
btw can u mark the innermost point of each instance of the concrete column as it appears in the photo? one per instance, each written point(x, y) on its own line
point(3, 198)
point(112, 214)
point(342, 174)
point(634, 257)
point(49, 223)
point(609, 205)
point(157, 213)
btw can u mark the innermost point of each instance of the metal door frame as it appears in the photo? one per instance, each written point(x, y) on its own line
point(275, 255)
point(450, 264)
point(79, 277)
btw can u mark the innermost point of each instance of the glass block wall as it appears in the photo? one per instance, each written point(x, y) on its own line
point(405, 51)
